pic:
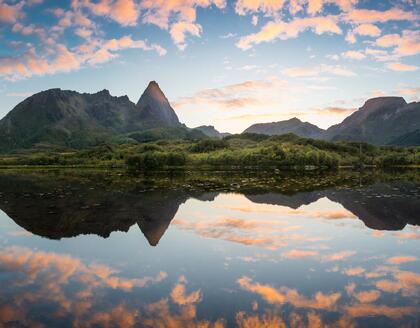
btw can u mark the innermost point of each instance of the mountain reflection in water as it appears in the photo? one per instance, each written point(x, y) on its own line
point(328, 252)
point(58, 211)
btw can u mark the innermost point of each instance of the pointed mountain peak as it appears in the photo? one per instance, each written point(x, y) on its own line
point(155, 107)
point(154, 90)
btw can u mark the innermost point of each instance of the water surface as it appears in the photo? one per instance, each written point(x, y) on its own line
point(81, 250)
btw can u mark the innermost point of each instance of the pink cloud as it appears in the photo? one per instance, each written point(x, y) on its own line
point(179, 30)
point(286, 30)
point(367, 30)
point(372, 16)
point(61, 59)
point(296, 253)
point(10, 13)
point(401, 259)
point(124, 12)
point(407, 44)
point(352, 54)
point(287, 295)
point(399, 67)
point(179, 17)
point(308, 72)
point(356, 271)
point(339, 256)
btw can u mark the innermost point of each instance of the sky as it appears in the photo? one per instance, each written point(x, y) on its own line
point(224, 63)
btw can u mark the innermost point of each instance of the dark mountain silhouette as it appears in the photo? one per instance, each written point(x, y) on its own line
point(210, 131)
point(379, 121)
point(155, 108)
point(294, 125)
point(381, 206)
point(56, 209)
point(63, 118)
point(70, 119)
point(407, 139)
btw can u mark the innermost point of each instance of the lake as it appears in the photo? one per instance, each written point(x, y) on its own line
point(105, 249)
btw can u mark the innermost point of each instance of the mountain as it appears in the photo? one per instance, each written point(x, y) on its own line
point(294, 125)
point(379, 121)
point(155, 108)
point(210, 131)
point(66, 118)
point(408, 139)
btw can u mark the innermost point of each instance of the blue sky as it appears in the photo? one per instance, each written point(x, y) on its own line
point(224, 63)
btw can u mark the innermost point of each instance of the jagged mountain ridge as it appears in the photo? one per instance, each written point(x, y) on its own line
point(211, 132)
point(380, 121)
point(63, 118)
point(71, 119)
point(293, 125)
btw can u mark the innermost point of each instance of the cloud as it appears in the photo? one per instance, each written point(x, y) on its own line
point(306, 72)
point(370, 310)
point(67, 285)
point(107, 50)
point(339, 256)
point(268, 234)
point(10, 14)
point(240, 95)
point(367, 30)
point(273, 7)
point(351, 54)
point(268, 320)
point(287, 295)
point(409, 92)
point(399, 67)
point(179, 17)
point(228, 35)
point(243, 7)
point(61, 59)
point(124, 12)
point(357, 271)
point(287, 30)
point(336, 111)
point(359, 16)
point(179, 296)
point(407, 44)
point(296, 253)
point(28, 30)
point(381, 55)
point(179, 30)
point(367, 296)
point(254, 20)
point(406, 282)
point(401, 259)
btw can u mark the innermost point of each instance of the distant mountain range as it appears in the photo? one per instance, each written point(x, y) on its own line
point(380, 121)
point(62, 118)
point(210, 131)
point(294, 125)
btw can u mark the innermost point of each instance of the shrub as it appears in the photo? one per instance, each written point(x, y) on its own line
point(208, 145)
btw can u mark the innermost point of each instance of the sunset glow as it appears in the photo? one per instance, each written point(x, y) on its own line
point(223, 63)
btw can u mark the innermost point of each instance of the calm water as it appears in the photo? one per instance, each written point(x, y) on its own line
point(290, 251)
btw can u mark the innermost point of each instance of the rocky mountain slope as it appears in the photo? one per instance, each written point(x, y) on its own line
point(70, 119)
point(294, 125)
point(379, 121)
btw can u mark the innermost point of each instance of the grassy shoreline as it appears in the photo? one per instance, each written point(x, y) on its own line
point(236, 153)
